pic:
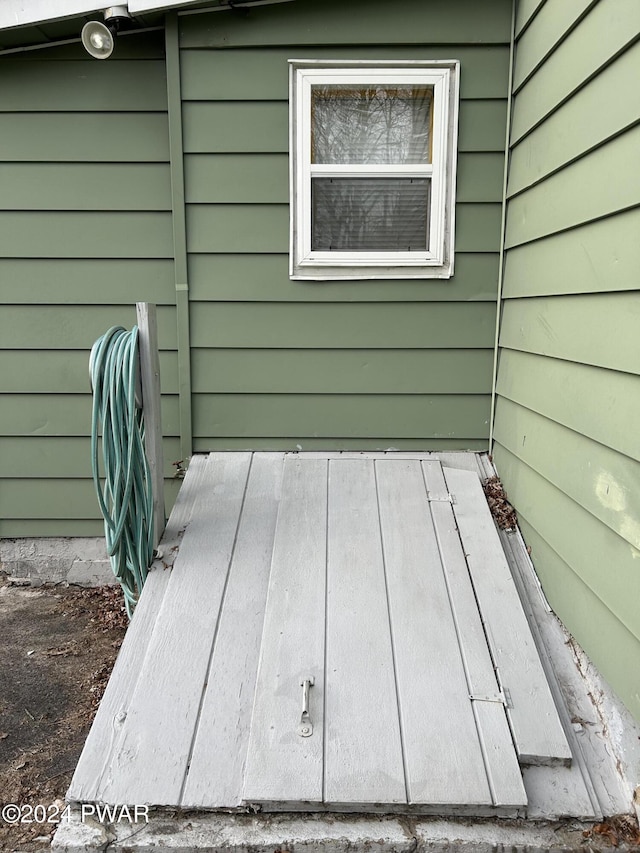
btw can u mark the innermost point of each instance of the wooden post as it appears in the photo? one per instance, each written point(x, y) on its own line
point(150, 376)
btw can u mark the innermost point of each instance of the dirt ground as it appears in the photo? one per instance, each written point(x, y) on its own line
point(59, 644)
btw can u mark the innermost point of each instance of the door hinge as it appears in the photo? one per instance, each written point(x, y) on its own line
point(447, 499)
point(500, 698)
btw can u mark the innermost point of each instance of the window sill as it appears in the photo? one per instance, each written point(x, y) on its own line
point(363, 273)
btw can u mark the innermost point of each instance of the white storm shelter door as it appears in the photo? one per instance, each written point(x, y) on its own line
point(376, 686)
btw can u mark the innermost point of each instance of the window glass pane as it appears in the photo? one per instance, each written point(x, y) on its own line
point(369, 214)
point(378, 124)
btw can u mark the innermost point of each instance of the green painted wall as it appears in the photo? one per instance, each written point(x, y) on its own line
point(566, 439)
point(88, 224)
point(281, 364)
point(85, 232)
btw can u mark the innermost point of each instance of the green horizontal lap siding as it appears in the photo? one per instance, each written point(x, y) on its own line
point(525, 13)
point(74, 326)
point(37, 371)
point(263, 74)
point(259, 277)
point(610, 27)
point(332, 22)
point(553, 22)
point(341, 371)
point(388, 416)
point(599, 479)
point(82, 86)
point(590, 188)
point(572, 130)
point(85, 186)
point(600, 404)
point(97, 234)
point(569, 374)
point(119, 138)
point(29, 527)
point(481, 125)
point(32, 500)
point(597, 329)
point(64, 458)
point(148, 45)
point(85, 232)
point(599, 257)
point(352, 325)
point(371, 364)
point(37, 280)
point(64, 414)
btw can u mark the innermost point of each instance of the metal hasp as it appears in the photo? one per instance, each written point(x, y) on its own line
point(305, 728)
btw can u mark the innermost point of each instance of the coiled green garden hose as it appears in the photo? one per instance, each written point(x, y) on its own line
point(126, 501)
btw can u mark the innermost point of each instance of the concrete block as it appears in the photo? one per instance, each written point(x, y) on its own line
point(91, 573)
point(323, 833)
point(225, 833)
point(493, 835)
point(76, 836)
point(81, 561)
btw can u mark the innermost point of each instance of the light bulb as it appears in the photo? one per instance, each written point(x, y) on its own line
point(99, 41)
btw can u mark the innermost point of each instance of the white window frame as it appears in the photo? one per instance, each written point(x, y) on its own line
point(437, 262)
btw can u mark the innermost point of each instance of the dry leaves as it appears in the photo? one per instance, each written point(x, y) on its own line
point(106, 604)
point(502, 511)
point(621, 829)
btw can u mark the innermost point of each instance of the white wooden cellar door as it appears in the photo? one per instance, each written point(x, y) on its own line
point(397, 668)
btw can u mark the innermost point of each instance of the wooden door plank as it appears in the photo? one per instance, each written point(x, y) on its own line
point(533, 717)
point(155, 739)
point(99, 744)
point(459, 459)
point(282, 766)
point(363, 753)
point(442, 753)
point(216, 775)
point(501, 763)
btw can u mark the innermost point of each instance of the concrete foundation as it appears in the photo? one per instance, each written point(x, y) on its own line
point(80, 561)
point(288, 833)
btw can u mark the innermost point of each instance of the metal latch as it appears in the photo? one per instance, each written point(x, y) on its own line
point(305, 727)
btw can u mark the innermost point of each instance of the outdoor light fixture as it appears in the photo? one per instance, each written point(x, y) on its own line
point(99, 39)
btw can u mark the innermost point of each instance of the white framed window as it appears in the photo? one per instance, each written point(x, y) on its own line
point(373, 163)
